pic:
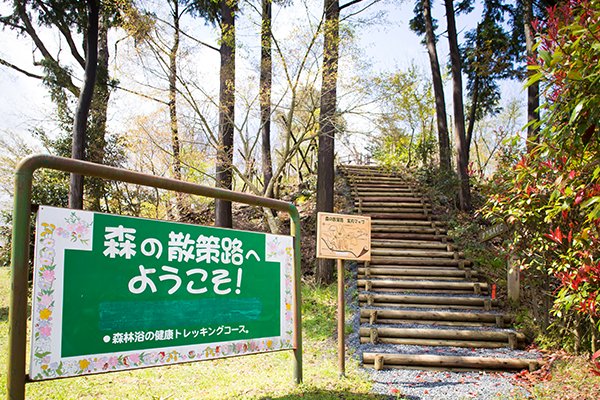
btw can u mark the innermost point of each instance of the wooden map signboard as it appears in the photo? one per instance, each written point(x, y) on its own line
point(346, 237)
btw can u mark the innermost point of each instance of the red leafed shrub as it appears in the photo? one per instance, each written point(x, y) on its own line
point(551, 195)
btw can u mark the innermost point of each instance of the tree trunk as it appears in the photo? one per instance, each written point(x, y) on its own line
point(179, 198)
point(223, 217)
point(533, 90)
point(438, 90)
point(472, 114)
point(265, 96)
point(325, 167)
point(84, 102)
point(464, 192)
point(96, 133)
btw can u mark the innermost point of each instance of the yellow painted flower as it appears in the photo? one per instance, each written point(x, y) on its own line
point(44, 367)
point(288, 306)
point(83, 364)
point(269, 344)
point(45, 313)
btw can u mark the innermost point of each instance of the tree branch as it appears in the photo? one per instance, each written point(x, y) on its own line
point(359, 11)
point(70, 86)
point(67, 35)
point(138, 94)
point(188, 35)
point(24, 72)
point(353, 2)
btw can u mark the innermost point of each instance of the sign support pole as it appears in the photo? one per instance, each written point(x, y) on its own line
point(343, 237)
point(341, 318)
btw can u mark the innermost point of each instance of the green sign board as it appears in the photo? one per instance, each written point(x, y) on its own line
point(114, 292)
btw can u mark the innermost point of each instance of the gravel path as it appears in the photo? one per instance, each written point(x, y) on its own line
point(420, 384)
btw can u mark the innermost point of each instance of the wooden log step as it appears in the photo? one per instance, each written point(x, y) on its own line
point(366, 204)
point(428, 322)
point(417, 290)
point(384, 177)
point(380, 183)
point(471, 335)
point(399, 215)
point(408, 244)
point(415, 253)
point(438, 342)
point(456, 307)
point(424, 268)
point(380, 177)
point(405, 199)
point(361, 194)
point(378, 251)
point(473, 301)
point(400, 244)
point(418, 261)
point(395, 222)
point(395, 191)
point(404, 229)
point(411, 236)
point(445, 362)
point(414, 315)
point(420, 209)
point(413, 277)
point(425, 284)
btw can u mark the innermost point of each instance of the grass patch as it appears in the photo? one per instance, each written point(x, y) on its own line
point(569, 378)
point(264, 376)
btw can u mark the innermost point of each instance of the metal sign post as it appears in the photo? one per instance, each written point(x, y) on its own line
point(16, 374)
point(343, 237)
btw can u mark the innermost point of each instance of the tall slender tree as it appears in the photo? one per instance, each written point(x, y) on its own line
point(424, 24)
point(224, 173)
point(223, 13)
point(85, 101)
point(175, 145)
point(69, 20)
point(488, 56)
point(265, 96)
point(533, 90)
point(325, 163)
point(327, 124)
point(464, 192)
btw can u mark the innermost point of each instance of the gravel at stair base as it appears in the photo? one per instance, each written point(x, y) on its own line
point(425, 384)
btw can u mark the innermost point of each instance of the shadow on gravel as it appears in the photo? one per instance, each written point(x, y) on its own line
point(330, 395)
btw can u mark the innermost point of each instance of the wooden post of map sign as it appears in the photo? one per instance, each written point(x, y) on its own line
point(343, 237)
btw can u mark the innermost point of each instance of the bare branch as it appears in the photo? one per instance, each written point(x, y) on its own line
point(188, 35)
point(359, 11)
point(24, 72)
point(138, 94)
point(353, 2)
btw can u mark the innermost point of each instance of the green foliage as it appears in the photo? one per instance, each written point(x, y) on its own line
point(551, 196)
point(407, 126)
point(488, 57)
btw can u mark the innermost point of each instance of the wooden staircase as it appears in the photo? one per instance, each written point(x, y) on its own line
point(418, 289)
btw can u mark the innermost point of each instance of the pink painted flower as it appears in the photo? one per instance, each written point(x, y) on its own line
point(48, 275)
point(134, 358)
point(113, 362)
point(45, 300)
point(45, 331)
point(99, 364)
point(81, 228)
